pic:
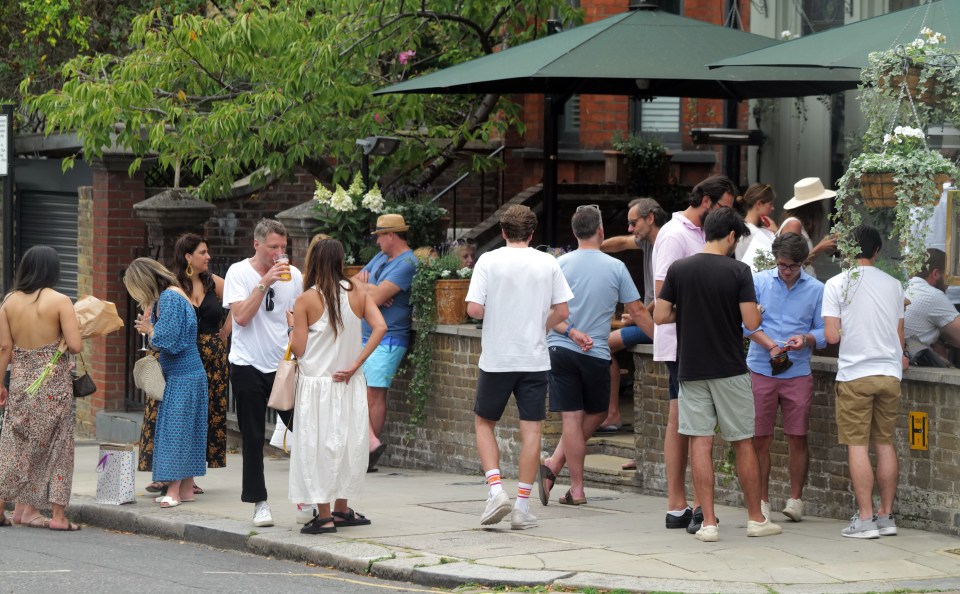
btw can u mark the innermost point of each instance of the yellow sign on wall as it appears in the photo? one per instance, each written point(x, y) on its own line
point(919, 428)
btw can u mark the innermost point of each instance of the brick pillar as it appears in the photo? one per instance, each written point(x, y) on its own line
point(115, 236)
point(300, 224)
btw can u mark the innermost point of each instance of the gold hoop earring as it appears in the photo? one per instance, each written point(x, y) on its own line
point(189, 269)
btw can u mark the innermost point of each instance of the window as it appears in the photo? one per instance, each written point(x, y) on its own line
point(659, 116)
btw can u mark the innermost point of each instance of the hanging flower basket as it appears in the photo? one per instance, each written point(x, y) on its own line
point(451, 297)
point(879, 190)
point(924, 93)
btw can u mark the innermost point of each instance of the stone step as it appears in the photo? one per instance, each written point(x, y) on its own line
point(622, 444)
point(604, 471)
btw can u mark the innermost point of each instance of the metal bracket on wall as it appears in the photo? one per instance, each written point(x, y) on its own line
point(761, 7)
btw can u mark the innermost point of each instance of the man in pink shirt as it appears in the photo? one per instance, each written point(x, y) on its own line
point(682, 236)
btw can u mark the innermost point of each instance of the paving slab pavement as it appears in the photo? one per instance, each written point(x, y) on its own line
point(426, 530)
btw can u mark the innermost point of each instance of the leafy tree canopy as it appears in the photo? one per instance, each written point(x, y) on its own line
point(38, 36)
point(270, 85)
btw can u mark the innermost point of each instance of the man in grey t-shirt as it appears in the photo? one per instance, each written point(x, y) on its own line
point(579, 355)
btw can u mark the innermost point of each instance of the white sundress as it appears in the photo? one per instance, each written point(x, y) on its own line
point(330, 442)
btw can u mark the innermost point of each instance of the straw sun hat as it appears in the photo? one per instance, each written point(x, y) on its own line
point(390, 223)
point(807, 190)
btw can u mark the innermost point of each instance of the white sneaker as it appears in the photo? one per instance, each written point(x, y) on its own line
point(764, 528)
point(306, 512)
point(708, 533)
point(765, 508)
point(793, 509)
point(497, 507)
point(261, 515)
point(521, 520)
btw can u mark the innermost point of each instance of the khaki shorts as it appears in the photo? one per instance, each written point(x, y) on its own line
point(727, 402)
point(867, 410)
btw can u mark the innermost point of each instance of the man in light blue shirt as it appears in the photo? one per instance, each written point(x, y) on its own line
point(579, 377)
point(779, 362)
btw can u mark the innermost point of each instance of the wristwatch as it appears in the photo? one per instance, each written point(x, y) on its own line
point(261, 287)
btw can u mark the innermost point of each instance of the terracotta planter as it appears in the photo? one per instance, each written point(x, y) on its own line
point(925, 93)
point(349, 271)
point(451, 304)
point(879, 190)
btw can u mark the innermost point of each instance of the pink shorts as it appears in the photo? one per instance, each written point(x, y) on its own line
point(793, 395)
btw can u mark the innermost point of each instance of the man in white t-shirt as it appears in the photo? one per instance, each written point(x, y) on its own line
point(260, 294)
point(518, 292)
point(863, 311)
point(931, 321)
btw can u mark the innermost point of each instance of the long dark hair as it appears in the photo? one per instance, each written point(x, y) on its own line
point(187, 244)
point(326, 273)
point(811, 216)
point(39, 269)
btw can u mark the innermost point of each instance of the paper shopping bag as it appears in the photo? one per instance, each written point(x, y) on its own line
point(115, 474)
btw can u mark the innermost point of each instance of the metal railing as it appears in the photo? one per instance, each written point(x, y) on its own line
point(452, 189)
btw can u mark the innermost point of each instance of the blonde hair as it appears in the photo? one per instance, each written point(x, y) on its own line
point(425, 253)
point(306, 259)
point(145, 279)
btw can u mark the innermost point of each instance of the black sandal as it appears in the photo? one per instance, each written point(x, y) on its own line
point(351, 518)
point(315, 526)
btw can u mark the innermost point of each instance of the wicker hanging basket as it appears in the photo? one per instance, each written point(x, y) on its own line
point(925, 93)
point(879, 190)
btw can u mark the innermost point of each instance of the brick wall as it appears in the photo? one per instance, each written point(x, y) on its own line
point(928, 496)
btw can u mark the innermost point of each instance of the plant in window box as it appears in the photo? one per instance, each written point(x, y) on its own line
point(904, 175)
point(346, 215)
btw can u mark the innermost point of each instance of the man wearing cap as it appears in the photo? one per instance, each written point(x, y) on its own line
point(387, 278)
point(805, 216)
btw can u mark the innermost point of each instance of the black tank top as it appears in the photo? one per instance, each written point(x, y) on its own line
point(209, 314)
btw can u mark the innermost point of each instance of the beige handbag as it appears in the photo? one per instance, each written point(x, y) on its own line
point(148, 376)
point(284, 393)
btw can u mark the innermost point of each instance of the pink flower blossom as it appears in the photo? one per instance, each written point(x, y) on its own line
point(377, 118)
point(406, 55)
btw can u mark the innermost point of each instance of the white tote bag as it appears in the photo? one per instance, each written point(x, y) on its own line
point(115, 472)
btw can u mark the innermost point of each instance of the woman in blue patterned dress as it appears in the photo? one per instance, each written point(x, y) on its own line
point(179, 450)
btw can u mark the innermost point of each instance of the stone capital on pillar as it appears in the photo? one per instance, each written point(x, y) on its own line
point(170, 214)
point(300, 222)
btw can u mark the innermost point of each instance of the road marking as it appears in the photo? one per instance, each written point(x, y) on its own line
point(328, 576)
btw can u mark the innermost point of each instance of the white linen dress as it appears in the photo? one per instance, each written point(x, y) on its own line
point(329, 451)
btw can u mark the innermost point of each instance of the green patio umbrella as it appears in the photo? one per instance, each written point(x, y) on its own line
point(847, 47)
point(644, 53)
point(641, 53)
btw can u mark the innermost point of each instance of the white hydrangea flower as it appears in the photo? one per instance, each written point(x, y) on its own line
point(349, 260)
point(341, 200)
point(887, 138)
point(444, 273)
point(322, 194)
point(373, 200)
point(465, 272)
point(356, 186)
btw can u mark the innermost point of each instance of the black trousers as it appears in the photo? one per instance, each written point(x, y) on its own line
point(251, 389)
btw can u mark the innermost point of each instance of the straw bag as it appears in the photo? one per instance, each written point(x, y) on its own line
point(148, 376)
point(284, 392)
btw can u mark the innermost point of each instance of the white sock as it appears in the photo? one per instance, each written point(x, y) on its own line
point(493, 481)
point(677, 513)
point(523, 497)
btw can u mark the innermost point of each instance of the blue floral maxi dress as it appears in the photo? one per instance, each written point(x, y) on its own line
point(180, 444)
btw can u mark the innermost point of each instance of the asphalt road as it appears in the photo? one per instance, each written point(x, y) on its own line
point(103, 562)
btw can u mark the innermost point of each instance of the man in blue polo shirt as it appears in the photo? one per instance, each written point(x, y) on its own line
point(387, 278)
point(779, 362)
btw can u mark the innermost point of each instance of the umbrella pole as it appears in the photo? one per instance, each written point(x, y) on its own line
point(552, 109)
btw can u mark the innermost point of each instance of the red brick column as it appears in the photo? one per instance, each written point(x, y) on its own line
point(117, 236)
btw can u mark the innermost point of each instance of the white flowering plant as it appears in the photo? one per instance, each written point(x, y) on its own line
point(346, 214)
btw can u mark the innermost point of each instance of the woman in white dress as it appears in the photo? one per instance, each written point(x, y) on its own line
point(756, 205)
point(329, 454)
